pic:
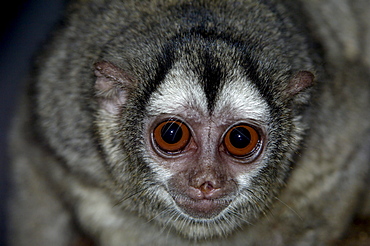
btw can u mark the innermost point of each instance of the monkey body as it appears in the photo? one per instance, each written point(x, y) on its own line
point(91, 156)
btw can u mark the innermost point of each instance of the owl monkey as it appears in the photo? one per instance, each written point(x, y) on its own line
point(191, 122)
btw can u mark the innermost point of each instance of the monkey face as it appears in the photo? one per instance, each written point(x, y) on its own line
point(203, 157)
point(201, 148)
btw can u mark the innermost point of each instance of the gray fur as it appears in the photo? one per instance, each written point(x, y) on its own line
point(80, 169)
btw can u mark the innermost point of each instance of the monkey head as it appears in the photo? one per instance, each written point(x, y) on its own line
point(204, 144)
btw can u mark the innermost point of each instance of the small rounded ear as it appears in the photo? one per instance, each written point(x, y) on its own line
point(301, 81)
point(111, 86)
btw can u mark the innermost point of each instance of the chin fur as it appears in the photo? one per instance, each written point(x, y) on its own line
point(243, 210)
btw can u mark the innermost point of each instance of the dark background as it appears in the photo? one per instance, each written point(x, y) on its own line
point(24, 25)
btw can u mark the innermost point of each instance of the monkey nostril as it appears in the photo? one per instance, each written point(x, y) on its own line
point(206, 187)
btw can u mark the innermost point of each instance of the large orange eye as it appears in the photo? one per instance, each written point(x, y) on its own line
point(241, 140)
point(172, 135)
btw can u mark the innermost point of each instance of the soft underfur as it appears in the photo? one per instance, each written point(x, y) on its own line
point(83, 164)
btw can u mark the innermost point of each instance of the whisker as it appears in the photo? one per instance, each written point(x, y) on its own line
point(165, 210)
point(137, 193)
point(125, 198)
point(290, 208)
point(257, 202)
point(235, 213)
point(168, 225)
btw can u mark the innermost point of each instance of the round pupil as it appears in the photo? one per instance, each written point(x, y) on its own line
point(240, 137)
point(171, 133)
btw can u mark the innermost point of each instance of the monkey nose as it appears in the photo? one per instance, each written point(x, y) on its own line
point(206, 187)
point(209, 190)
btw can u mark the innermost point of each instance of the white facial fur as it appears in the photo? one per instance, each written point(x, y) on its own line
point(180, 92)
point(181, 95)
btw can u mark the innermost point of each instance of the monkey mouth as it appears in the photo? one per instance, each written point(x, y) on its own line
point(202, 208)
